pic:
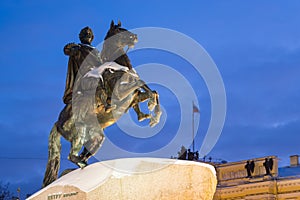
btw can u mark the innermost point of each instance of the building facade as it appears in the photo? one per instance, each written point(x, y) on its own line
point(264, 181)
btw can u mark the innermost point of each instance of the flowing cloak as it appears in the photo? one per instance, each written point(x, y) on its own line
point(82, 58)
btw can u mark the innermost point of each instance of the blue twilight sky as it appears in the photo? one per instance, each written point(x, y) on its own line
point(255, 45)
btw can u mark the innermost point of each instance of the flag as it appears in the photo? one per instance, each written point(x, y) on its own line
point(195, 109)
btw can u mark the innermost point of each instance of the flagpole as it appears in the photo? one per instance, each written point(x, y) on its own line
point(193, 126)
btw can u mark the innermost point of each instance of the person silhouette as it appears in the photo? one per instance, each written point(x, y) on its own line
point(250, 168)
point(197, 155)
point(190, 155)
point(268, 164)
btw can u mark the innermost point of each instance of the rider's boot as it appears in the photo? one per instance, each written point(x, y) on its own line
point(108, 106)
point(106, 101)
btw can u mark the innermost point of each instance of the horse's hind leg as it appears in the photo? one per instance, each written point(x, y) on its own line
point(85, 155)
point(92, 145)
point(76, 145)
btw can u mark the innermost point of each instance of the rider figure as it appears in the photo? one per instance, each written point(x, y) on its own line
point(82, 58)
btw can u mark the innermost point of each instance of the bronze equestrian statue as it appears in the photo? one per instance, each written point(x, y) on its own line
point(100, 88)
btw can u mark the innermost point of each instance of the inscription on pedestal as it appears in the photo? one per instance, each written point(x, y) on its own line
point(61, 195)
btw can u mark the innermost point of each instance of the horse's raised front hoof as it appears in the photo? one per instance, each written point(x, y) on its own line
point(153, 122)
point(151, 104)
point(156, 118)
point(142, 117)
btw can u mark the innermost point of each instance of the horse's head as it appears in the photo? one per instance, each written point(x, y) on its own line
point(120, 36)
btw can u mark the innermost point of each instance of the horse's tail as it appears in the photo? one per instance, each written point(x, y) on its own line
point(53, 157)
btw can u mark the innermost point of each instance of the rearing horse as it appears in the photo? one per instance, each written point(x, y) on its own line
point(82, 122)
point(113, 50)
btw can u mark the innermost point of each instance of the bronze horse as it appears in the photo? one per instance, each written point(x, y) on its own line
point(82, 122)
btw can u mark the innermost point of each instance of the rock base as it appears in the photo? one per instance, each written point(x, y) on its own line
point(134, 179)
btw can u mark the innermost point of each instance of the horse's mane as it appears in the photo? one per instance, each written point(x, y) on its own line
point(111, 52)
point(111, 31)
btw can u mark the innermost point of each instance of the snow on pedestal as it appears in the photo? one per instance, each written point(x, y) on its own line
point(134, 179)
